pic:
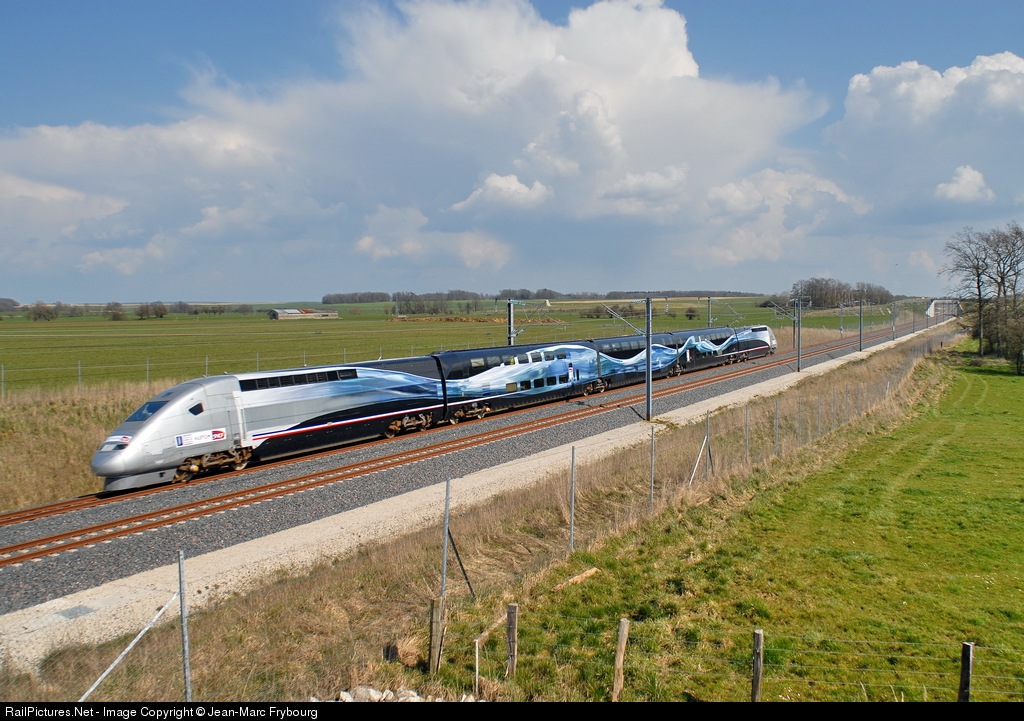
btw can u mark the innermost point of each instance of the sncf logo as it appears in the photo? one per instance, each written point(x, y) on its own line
point(219, 435)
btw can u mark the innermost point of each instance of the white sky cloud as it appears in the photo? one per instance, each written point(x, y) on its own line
point(478, 145)
point(506, 190)
point(967, 186)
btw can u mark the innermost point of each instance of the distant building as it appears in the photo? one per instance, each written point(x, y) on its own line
point(300, 314)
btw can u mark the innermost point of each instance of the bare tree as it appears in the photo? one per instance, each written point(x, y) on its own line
point(967, 267)
point(41, 311)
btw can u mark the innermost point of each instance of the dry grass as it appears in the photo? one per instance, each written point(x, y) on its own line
point(47, 438)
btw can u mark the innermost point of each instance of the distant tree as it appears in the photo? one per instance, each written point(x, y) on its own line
point(143, 311)
point(114, 311)
point(42, 311)
point(690, 313)
point(158, 309)
point(349, 298)
point(521, 294)
point(547, 294)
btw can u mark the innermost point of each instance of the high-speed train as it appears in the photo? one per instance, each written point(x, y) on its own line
point(232, 420)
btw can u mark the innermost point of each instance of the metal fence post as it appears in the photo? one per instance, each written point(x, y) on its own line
point(186, 660)
point(572, 502)
point(652, 468)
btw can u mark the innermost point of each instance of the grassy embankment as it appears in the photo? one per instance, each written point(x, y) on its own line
point(900, 533)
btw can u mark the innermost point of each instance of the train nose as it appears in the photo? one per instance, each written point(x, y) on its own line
point(108, 463)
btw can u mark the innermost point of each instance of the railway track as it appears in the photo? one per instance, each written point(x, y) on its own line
point(106, 532)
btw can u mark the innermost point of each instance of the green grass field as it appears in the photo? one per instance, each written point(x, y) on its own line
point(91, 349)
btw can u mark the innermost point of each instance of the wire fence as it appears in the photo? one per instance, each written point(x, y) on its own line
point(663, 661)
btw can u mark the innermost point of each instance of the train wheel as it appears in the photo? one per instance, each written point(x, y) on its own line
point(240, 465)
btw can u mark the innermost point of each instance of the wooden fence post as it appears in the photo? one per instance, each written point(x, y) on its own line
point(755, 685)
point(436, 633)
point(966, 671)
point(512, 639)
point(620, 654)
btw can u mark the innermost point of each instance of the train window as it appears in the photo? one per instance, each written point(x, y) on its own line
point(196, 409)
point(538, 383)
point(560, 355)
point(493, 361)
point(549, 356)
point(147, 409)
point(523, 358)
point(563, 379)
point(286, 381)
point(551, 380)
point(524, 385)
point(510, 387)
point(760, 329)
point(476, 363)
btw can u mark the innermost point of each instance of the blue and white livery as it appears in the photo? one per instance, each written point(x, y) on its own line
point(232, 420)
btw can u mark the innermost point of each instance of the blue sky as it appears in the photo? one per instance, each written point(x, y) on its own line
point(254, 151)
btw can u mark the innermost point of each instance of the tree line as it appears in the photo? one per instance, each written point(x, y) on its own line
point(41, 310)
point(984, 268)
point(514, 294)
point(831, 293)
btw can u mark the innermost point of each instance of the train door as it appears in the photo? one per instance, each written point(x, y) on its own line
point(225, 417)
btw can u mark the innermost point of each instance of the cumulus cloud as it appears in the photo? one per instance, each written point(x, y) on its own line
point(967, 186)
point(771, 213)
point(506, 190)
point(906, 125)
